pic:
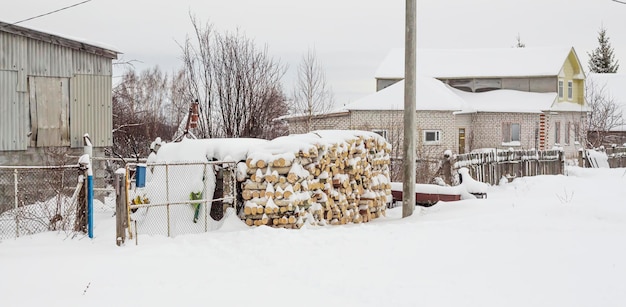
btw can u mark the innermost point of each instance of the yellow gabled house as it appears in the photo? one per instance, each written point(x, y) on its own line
point(516, 97)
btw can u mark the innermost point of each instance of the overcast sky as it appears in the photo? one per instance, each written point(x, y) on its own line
point(351, 36)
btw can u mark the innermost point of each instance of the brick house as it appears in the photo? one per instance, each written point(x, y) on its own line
point(518, 98)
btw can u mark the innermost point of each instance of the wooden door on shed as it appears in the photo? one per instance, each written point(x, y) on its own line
point(49, 111)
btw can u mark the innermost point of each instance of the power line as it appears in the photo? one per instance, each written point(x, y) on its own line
point(52, 12)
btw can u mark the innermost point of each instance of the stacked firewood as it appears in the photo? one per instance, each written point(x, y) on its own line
point(326, 177)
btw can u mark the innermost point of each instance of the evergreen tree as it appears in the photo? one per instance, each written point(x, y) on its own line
point(601, 60)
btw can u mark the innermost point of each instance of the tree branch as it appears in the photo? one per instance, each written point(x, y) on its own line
point(125, 126)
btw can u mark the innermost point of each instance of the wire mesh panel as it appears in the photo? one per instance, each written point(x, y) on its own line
point(180, 198)
point(34, 200)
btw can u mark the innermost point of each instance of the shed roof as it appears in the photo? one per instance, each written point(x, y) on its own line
point(61, 40)
point(467, 63)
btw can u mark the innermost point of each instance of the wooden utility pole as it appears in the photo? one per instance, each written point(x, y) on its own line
point(408, 186)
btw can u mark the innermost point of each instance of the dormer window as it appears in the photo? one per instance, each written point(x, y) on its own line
point(561, 89)
point(570, 90)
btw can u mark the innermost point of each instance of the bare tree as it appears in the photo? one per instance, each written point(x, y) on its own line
point(236, 84)
point(604, 113)
point(311, 95)
point(140, 112)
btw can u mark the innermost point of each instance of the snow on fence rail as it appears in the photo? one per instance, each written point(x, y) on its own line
point(36, 199)
point(491, 166)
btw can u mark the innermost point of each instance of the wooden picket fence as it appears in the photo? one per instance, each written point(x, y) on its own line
point(616, 156)
point(490, 167)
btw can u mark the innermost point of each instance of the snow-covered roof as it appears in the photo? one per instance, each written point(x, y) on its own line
point(432, 95)
point(614, 86)
point(461, 63)
point(203, 150)
point(62, 40)
point(507, 101)
point(337, 112)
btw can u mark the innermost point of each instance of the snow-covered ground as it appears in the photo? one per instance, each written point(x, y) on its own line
point(538, 241)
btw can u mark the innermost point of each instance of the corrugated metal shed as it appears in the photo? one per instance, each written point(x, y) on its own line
point(27, 54)
point(14, 119)
point(90, 102)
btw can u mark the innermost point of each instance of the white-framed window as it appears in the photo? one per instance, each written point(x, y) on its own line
point(557, 133)
point(511, 134)
point(577, 133)
point(432, 136)
point(570, 90)
point(381, 132)
point(560, 88)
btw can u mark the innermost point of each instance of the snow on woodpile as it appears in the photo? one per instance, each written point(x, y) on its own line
point(323, 177)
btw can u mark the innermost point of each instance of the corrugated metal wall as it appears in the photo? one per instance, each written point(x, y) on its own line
point(90, 102)
point(11, 57)
point(91, 64)
point(47, 60)
point(90, 89)
point(8, 54)
point(14, 116)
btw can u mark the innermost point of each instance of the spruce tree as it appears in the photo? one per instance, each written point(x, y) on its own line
point(601, 60)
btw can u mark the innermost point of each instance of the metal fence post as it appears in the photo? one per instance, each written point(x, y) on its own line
point(88, 151)
point(233, 182)
point(206, 203)
point(167, 196)
point(126, 196)
point(90, 202)
point(17, 220)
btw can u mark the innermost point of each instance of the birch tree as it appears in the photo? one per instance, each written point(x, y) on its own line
point(312, 95)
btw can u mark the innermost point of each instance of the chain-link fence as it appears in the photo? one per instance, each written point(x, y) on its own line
point(104, 172)
point(180, 198)
point(38, 199)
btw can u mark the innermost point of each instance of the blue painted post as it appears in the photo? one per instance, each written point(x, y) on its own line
point(86, 161)
point(90, 204)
